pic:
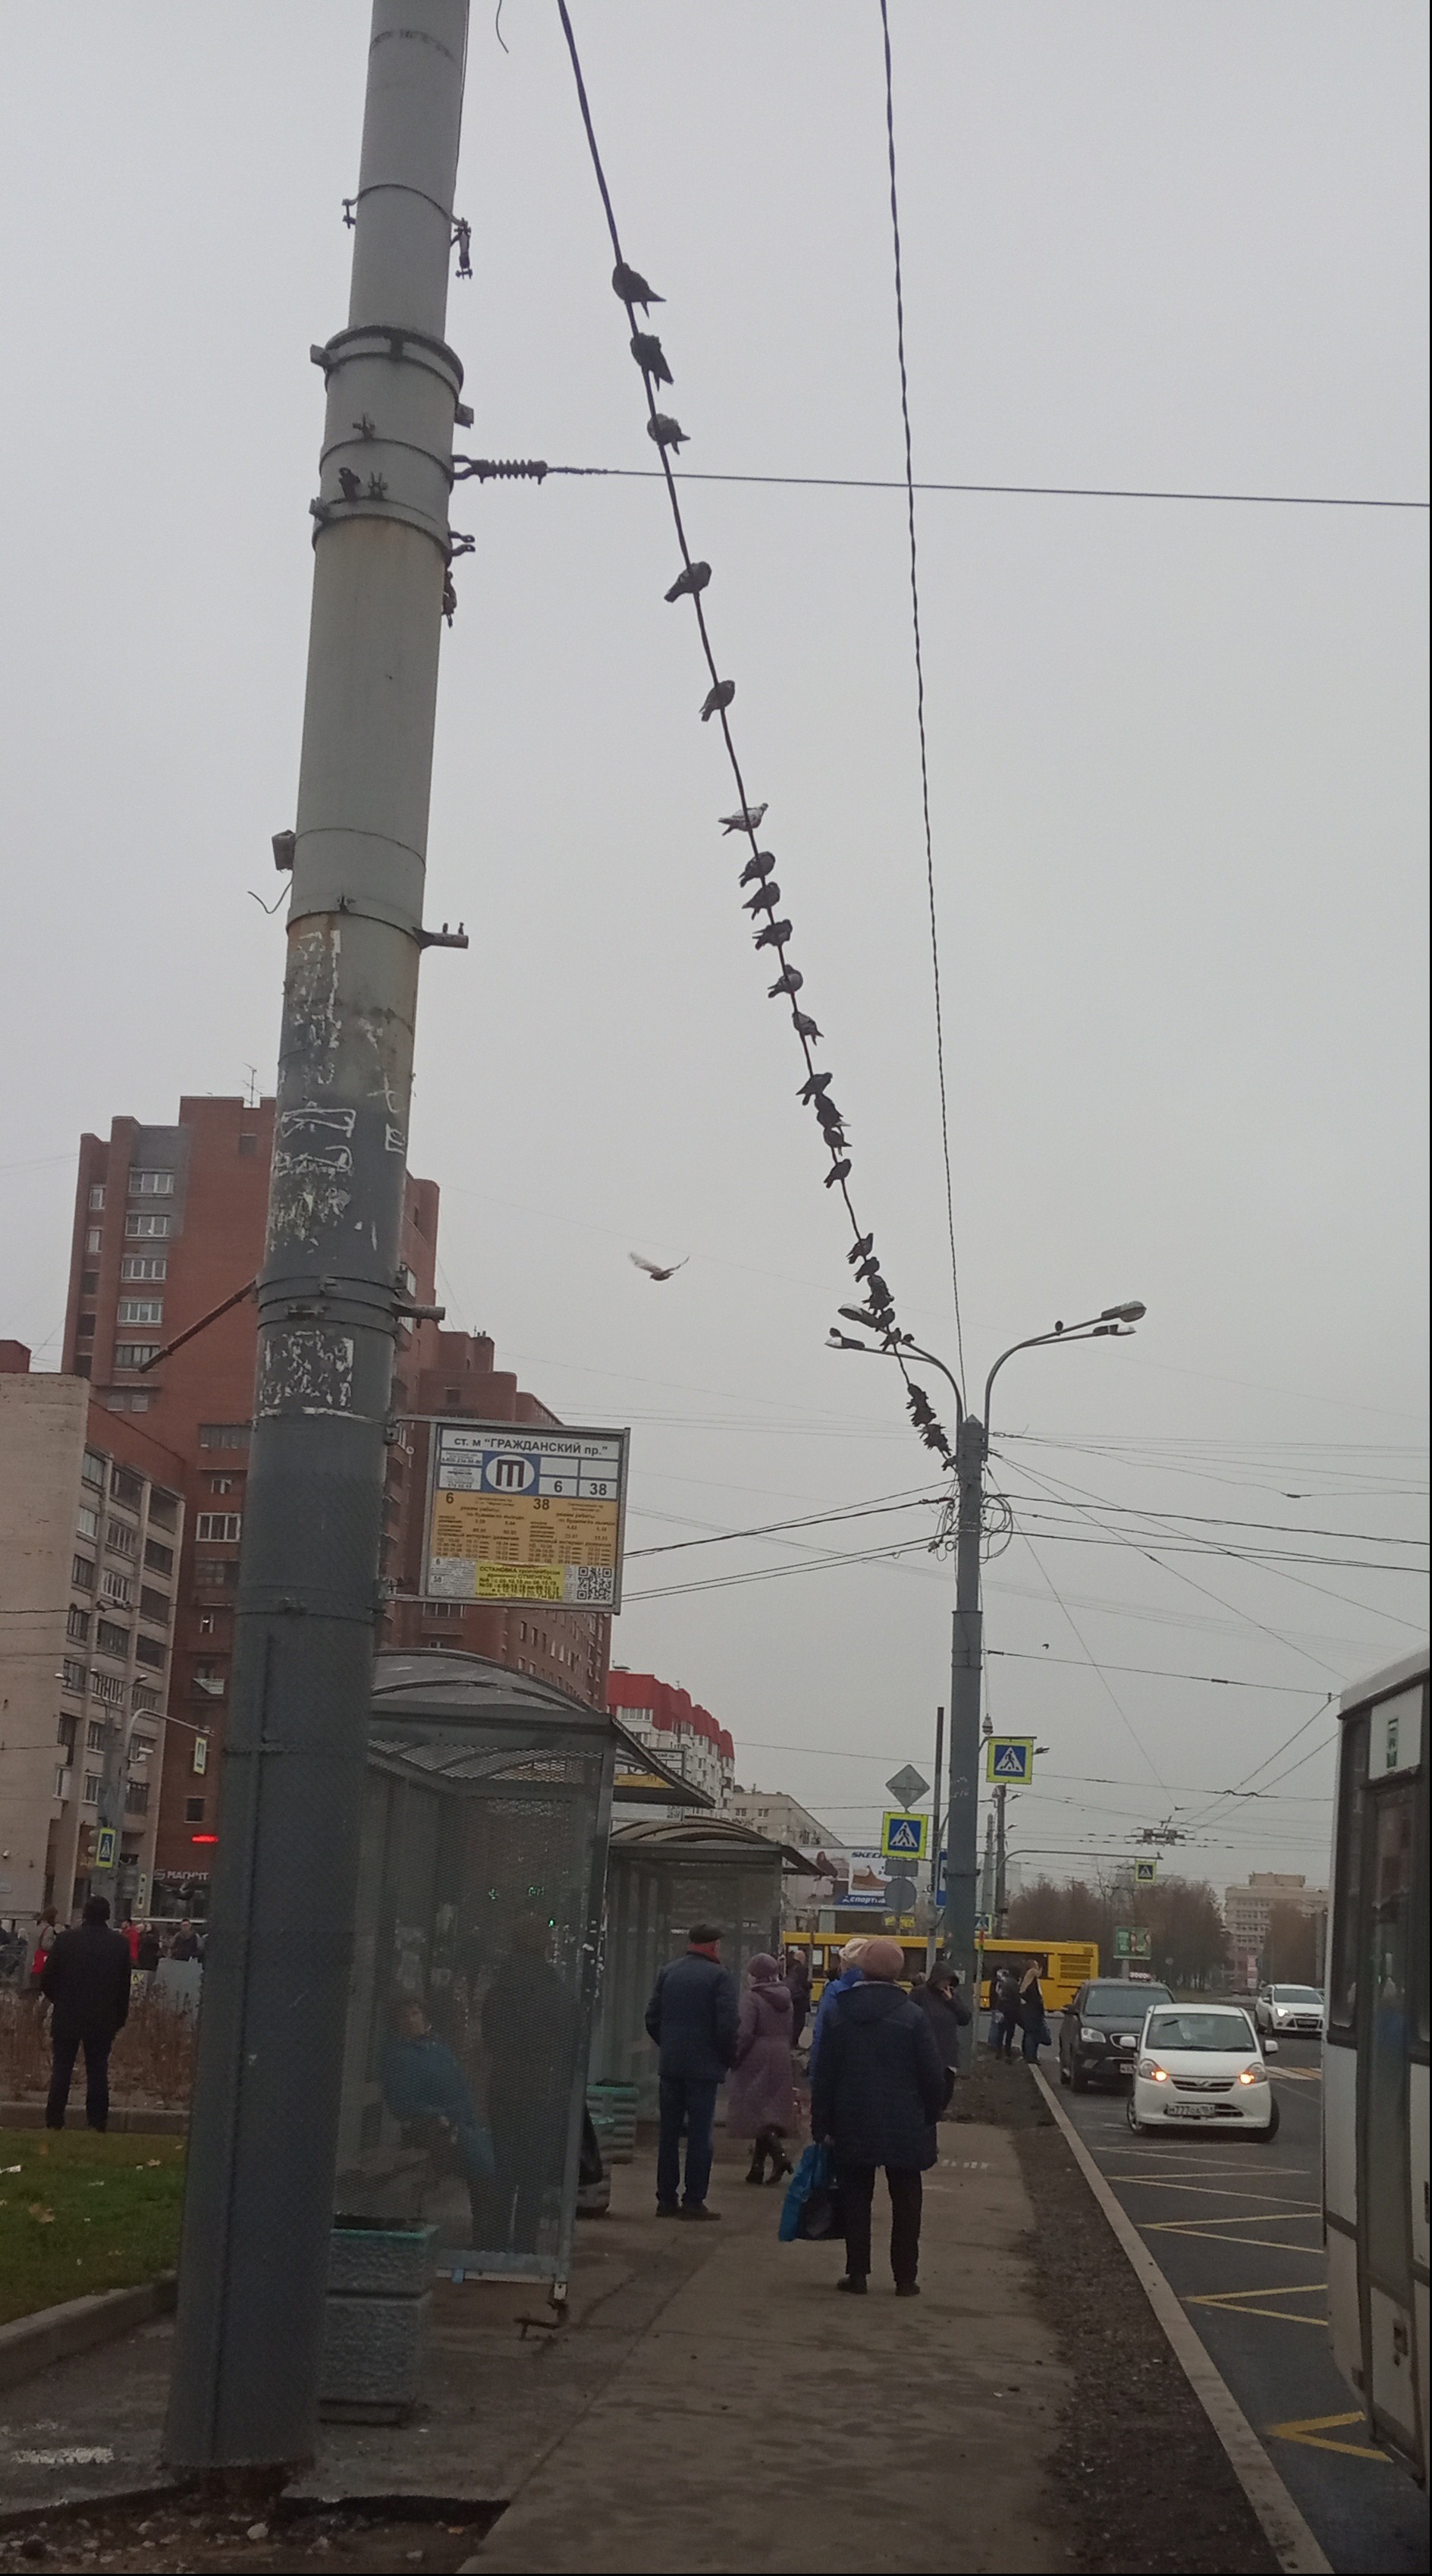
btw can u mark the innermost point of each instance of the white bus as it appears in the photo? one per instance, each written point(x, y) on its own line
point(1375, 2052)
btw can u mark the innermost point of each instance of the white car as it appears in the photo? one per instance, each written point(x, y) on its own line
point(1295, 2008)
point(1201, 2065)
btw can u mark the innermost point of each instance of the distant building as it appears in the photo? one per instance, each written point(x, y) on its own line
point(775, 1813)
point(91, 1532)
point(686, 1736)
point(1246, 1909)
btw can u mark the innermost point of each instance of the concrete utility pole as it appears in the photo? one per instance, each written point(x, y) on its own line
point(965, 1665)
point(262, 2146)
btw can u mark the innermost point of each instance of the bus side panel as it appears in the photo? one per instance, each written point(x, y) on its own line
point(1422, 2359)
point(1340, 2134)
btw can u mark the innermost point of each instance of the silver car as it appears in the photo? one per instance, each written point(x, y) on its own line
point(1289, 2008)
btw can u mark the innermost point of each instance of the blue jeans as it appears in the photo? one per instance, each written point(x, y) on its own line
point(1031, 2044)
point(687, 2102)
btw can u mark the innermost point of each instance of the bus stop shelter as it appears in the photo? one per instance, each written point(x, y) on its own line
point(661, 1878)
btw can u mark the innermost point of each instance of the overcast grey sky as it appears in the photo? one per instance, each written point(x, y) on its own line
point(1177, 778)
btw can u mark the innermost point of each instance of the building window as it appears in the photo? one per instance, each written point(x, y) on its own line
point(92, 1469)
point(223, 1435)
point(116, 1399)
point(148, 1650)
point(77, 1623)
point(140, 1226)
point(107, 1686)
point(208, 1623)
point(146, 1699)
point(136, 1797)
point(117, 1588)
point(121, 1540)
point(72, 1675)
point(92, 1787)
point(94, 1238)
point(112, 1640)
point(209, 1681)
point(87, 1522)
point(193, 1811)
point(68, 1729)
point(219, 1525)
point(95, 1734)
point(248, 1144)
point(62, 1782)
point(215, 1573)
point(82, 1574)
point(144, 1265)
point(163, 1508)
point(96, 1194)
point(140, 1310)
point(221, 1484)
point(89, 1283)
point(127, 1489)
point(159, 1560)
point(154, 1605)
point(135, 1354)
point(151, 1185)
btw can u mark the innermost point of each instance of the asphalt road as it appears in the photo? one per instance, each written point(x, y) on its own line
point(1236, 2229)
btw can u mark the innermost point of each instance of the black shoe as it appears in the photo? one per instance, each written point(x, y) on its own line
point(907, 2289)
point(757, 2169)
point(854, 2282)
point(697, 2209)
point(780, 2169)
point(668, 2209)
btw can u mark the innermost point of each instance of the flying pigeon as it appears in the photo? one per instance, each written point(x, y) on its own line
point(632, 287)
point(351, 483)
point(648, 353)
point(775, 935)
point(760, 866)
point(718, 699)
point(750, 817)
point(687, 584)
point(654, 1269)
point(666, 431)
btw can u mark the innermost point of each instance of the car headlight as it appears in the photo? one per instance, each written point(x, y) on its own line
point(1150, 2066)
point(1252, 2074)
point(1091, 2038)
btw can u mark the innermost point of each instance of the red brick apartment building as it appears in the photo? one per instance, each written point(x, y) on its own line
point(169, 1222)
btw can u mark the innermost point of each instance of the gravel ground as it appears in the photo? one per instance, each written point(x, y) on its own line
point(184, 2534)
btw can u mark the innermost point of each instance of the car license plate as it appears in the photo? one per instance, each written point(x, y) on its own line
point(1189, 2111)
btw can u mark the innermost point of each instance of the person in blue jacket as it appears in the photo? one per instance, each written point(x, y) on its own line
point(850, 1975)
point(693, 2016)
point(423, 2080)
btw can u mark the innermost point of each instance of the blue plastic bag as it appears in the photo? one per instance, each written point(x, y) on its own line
point(811, 2206)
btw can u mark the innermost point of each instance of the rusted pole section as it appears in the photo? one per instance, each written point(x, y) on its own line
point(262, 2148)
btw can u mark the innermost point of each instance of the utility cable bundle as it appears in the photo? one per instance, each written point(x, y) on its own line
point(771, 933)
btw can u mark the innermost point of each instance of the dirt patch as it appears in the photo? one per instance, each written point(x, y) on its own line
point(1146, 2484)
point(188, 2535)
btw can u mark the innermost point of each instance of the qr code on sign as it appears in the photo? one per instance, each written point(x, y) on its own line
point(587, 1583)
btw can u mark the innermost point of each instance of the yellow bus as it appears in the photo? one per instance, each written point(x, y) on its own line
point(1064, 1966)
point(821, 1952)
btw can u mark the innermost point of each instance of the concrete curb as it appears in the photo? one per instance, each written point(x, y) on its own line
point(52, 2334)
point(1284, 2529)
point(124, 2120)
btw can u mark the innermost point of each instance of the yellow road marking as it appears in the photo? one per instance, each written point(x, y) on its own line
point(1312, 2432)
point(1233, 2301)
point(1270, 2244)
point(1245, 2218)
point(1171, 2182)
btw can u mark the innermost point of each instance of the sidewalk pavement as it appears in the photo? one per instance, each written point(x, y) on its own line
point(712, 2404)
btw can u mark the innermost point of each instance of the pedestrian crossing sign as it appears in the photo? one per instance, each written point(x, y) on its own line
point(1145, 1873)
point(903, 1837)
point(1009, 1759)
point(104, 1847)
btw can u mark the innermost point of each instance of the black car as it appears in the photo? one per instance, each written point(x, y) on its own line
point(1099, 2031)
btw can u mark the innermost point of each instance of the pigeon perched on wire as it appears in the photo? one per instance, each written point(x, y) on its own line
point(805, 1027)
point(863, 1244)
point(838, 1172)
point(775, 935)
point(666, 431)
point(654, 1269)
point(688, 583)
point(789, 981)
point(760, 866)
point(632, 287)
point(718, 699)
point(765, 898)
point(650, 357)
point(750, 817)
point(812, 1089)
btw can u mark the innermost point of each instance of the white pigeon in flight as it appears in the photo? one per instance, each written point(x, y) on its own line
point(653, 1269)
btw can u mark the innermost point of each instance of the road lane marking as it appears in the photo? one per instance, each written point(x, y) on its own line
point(1172, 2182)
point(1190, 2227)
point(1312, 2431)
point(1244, 2218)
point(1234, 2302)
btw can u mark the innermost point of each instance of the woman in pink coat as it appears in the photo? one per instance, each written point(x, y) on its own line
point(761, 2102)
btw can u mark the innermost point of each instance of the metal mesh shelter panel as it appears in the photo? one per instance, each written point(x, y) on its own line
point(654, 1896)
point(470, 2012)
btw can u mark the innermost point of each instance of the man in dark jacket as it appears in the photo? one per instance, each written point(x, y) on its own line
point(692, 2016)
point(880, 2085)
point(86, 1978)
point(946, 2011)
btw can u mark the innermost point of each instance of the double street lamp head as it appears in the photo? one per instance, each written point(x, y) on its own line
point(1133, 1313)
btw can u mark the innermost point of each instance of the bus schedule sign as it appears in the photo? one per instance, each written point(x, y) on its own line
point(522, 1512)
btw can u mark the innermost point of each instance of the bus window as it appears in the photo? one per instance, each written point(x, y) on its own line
point(1347, 1876)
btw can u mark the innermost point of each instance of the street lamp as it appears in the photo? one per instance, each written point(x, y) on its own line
point(971, 1455)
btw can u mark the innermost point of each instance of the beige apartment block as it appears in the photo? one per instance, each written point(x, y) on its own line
point(91, 1521)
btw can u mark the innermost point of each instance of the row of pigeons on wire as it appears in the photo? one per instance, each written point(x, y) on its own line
point(771, 932)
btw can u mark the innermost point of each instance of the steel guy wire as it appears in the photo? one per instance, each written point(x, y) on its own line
point(665, 434)
point(1025, 491)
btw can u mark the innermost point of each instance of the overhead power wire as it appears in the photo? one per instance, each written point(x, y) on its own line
point(666, 434)
point(920, 681)
point(1014, 491)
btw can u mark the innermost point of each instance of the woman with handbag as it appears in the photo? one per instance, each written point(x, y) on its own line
point(1031, 2015)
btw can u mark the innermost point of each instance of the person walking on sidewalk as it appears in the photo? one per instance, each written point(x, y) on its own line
point(761, 2100)
point(86, 1978)
point(1031, 2014)
point(850, 1973)
point(798, 1985)
point(946, 2011)
point(880, 2086)
point(693, 2018)
point(1004, 2011)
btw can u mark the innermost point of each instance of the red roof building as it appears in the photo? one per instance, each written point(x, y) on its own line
point(675, 1726)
